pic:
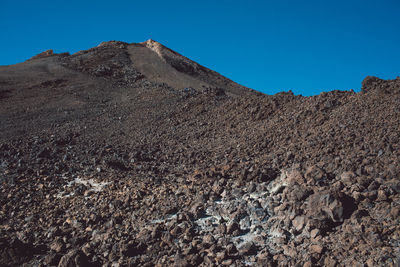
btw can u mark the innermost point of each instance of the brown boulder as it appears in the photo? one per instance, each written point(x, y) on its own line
point(298, 223)
point(314, 174)
point(316, 249)
point(348, 178)
point(57, 245)
point(325, 206)
point(73, 258)
point(328, 208)
point(369, 83)
point(295, 176)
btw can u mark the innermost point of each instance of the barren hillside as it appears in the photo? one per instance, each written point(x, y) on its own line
point(133, 155)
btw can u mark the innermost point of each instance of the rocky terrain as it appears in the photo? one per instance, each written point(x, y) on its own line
point(133, 155)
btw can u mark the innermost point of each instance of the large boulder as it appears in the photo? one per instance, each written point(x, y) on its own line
point(370, 83)
point(325, 209)
point(74, 258)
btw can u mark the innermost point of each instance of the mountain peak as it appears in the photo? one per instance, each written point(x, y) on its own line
point(161, 64)
point(151, 41)
point(155, 46)
point(150, 60)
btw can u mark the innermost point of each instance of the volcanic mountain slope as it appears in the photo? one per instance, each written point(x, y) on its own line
point(93, 77)
point(106, 159)
point(161, 64)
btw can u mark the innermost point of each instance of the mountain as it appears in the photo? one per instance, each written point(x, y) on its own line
point(176, 70)
point(132, 154)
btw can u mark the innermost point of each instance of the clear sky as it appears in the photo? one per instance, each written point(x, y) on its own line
point(270, 46)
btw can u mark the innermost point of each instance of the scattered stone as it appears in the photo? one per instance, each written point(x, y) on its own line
point(316, 249)
point(115, 167)
point(73, 258)
point(348, 178)
point(232, 227)
point(248, 248)
point(14, 252)
point(298, 223)
point(314, 233)
point(57, 245)
point(325, 206)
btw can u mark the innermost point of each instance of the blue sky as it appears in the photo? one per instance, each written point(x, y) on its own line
point(270, 46)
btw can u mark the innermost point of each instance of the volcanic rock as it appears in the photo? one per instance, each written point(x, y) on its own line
point(134, 155)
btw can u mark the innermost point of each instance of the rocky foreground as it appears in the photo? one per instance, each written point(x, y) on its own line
point(101, 165)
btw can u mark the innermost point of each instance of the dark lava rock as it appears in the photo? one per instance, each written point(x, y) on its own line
point(328, 209)
point(74, 258)
point(369, 83)
point(14, 252)
point(133, 249)
point(105, 159)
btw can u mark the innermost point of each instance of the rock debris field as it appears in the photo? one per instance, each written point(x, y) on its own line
point(134, 155)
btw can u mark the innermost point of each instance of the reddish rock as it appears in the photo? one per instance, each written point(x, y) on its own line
point(298, 223)
point(325, 206)
point(44, 54)
point(348, 178)
point(314, 233)
point(314, 174)
point(316, 249)
point(295, 176)
point(57, 245)
point(73, 258)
